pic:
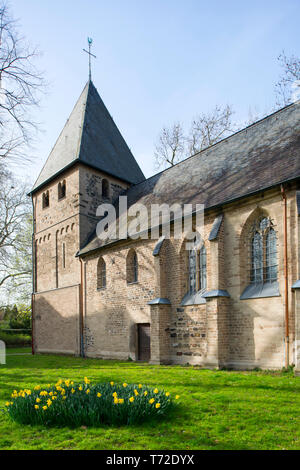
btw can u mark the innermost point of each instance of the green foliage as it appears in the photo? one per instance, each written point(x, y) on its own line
point(74, 405)
point(219, 410)
point(20, 317)
point(16, 339)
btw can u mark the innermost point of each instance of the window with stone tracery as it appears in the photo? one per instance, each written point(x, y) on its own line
point(263, 249)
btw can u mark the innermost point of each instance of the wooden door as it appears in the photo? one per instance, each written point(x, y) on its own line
point(144, 341)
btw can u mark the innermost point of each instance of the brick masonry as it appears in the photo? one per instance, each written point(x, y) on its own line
point(223, 332)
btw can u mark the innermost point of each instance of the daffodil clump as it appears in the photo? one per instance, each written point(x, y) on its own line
point(75, 404)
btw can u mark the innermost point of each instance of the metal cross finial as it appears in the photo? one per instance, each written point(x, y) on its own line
point(90, 41)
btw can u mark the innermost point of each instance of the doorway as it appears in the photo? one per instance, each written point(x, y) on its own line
point(144, 342)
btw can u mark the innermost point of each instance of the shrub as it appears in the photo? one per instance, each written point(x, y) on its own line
point(70, 404)
point(17, 339)
point(20, 318)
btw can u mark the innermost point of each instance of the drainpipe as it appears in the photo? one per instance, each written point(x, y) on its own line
point(81, 308)
point(33, 274)
point(286, 286)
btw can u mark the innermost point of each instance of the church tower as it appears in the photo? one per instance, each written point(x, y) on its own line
point(89, 164)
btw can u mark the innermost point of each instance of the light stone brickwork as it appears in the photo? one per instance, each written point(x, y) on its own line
point(223, 332)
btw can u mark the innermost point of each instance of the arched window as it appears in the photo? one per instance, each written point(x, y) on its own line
point(196, 267)
point(132, 267)
point(62, 189)
point(101, 274)
point(263, 252)
point(46, 199)
point(105, 188)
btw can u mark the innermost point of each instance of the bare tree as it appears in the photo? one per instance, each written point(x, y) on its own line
point(170, 148)
point(209, 128)
point(15, 232)
point(206, 129)
point(289, 80)
point(20, 87)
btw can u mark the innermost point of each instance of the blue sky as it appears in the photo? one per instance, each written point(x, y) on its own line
point(158, 61)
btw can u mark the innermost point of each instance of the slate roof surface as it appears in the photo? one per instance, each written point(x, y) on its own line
point(90, 136)
point(258, 157)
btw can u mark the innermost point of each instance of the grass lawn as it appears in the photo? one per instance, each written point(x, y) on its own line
point(218, 409)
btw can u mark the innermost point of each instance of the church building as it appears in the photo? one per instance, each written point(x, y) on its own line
point(234, 302)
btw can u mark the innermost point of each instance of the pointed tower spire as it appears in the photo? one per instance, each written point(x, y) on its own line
point(90, 136)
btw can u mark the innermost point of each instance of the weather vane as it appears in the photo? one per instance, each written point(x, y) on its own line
point(90, 41)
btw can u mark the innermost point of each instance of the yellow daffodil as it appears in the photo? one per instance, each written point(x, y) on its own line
point(136, 392)
point(64, 398)
point(157, 405)
point(37, 387)
point(54, 397)
point(72, 390)
point(38, 400)
point(49, 402)
point(63, 392)
point(131, 399)
point(44, 407)
point(116, 401)
point(88, 391)
point(80, 387)
point(124, 384)
point(177, 396)
point(140, 385)
point(67, 382)
point(145, 393)
point(7, 403)
point(112, 383)
point(36, 407)
point(48, 386)
point(86, 380)
point(115, 394)
point(99, 395)
point(155, 390)
point(50, 394)
point(151, 401)
point(167, 394)
point(121, 400)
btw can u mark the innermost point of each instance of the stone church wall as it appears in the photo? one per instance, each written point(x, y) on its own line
point(56, 321)
point(223, 332)
point(112, 314)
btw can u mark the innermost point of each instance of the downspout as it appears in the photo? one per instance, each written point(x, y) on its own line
point(33, 274)
point(286, 286)
point(81, 326)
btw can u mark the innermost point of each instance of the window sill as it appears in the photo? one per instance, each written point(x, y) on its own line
point(101, 288)
point(132, 283)
point(61, 198)
point(194, 299)
point(262, 290)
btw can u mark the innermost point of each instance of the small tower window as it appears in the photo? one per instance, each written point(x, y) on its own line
point(101, 274)
point(132, 267)
point(105, 188)
point(62, 189)
point(45, 199)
